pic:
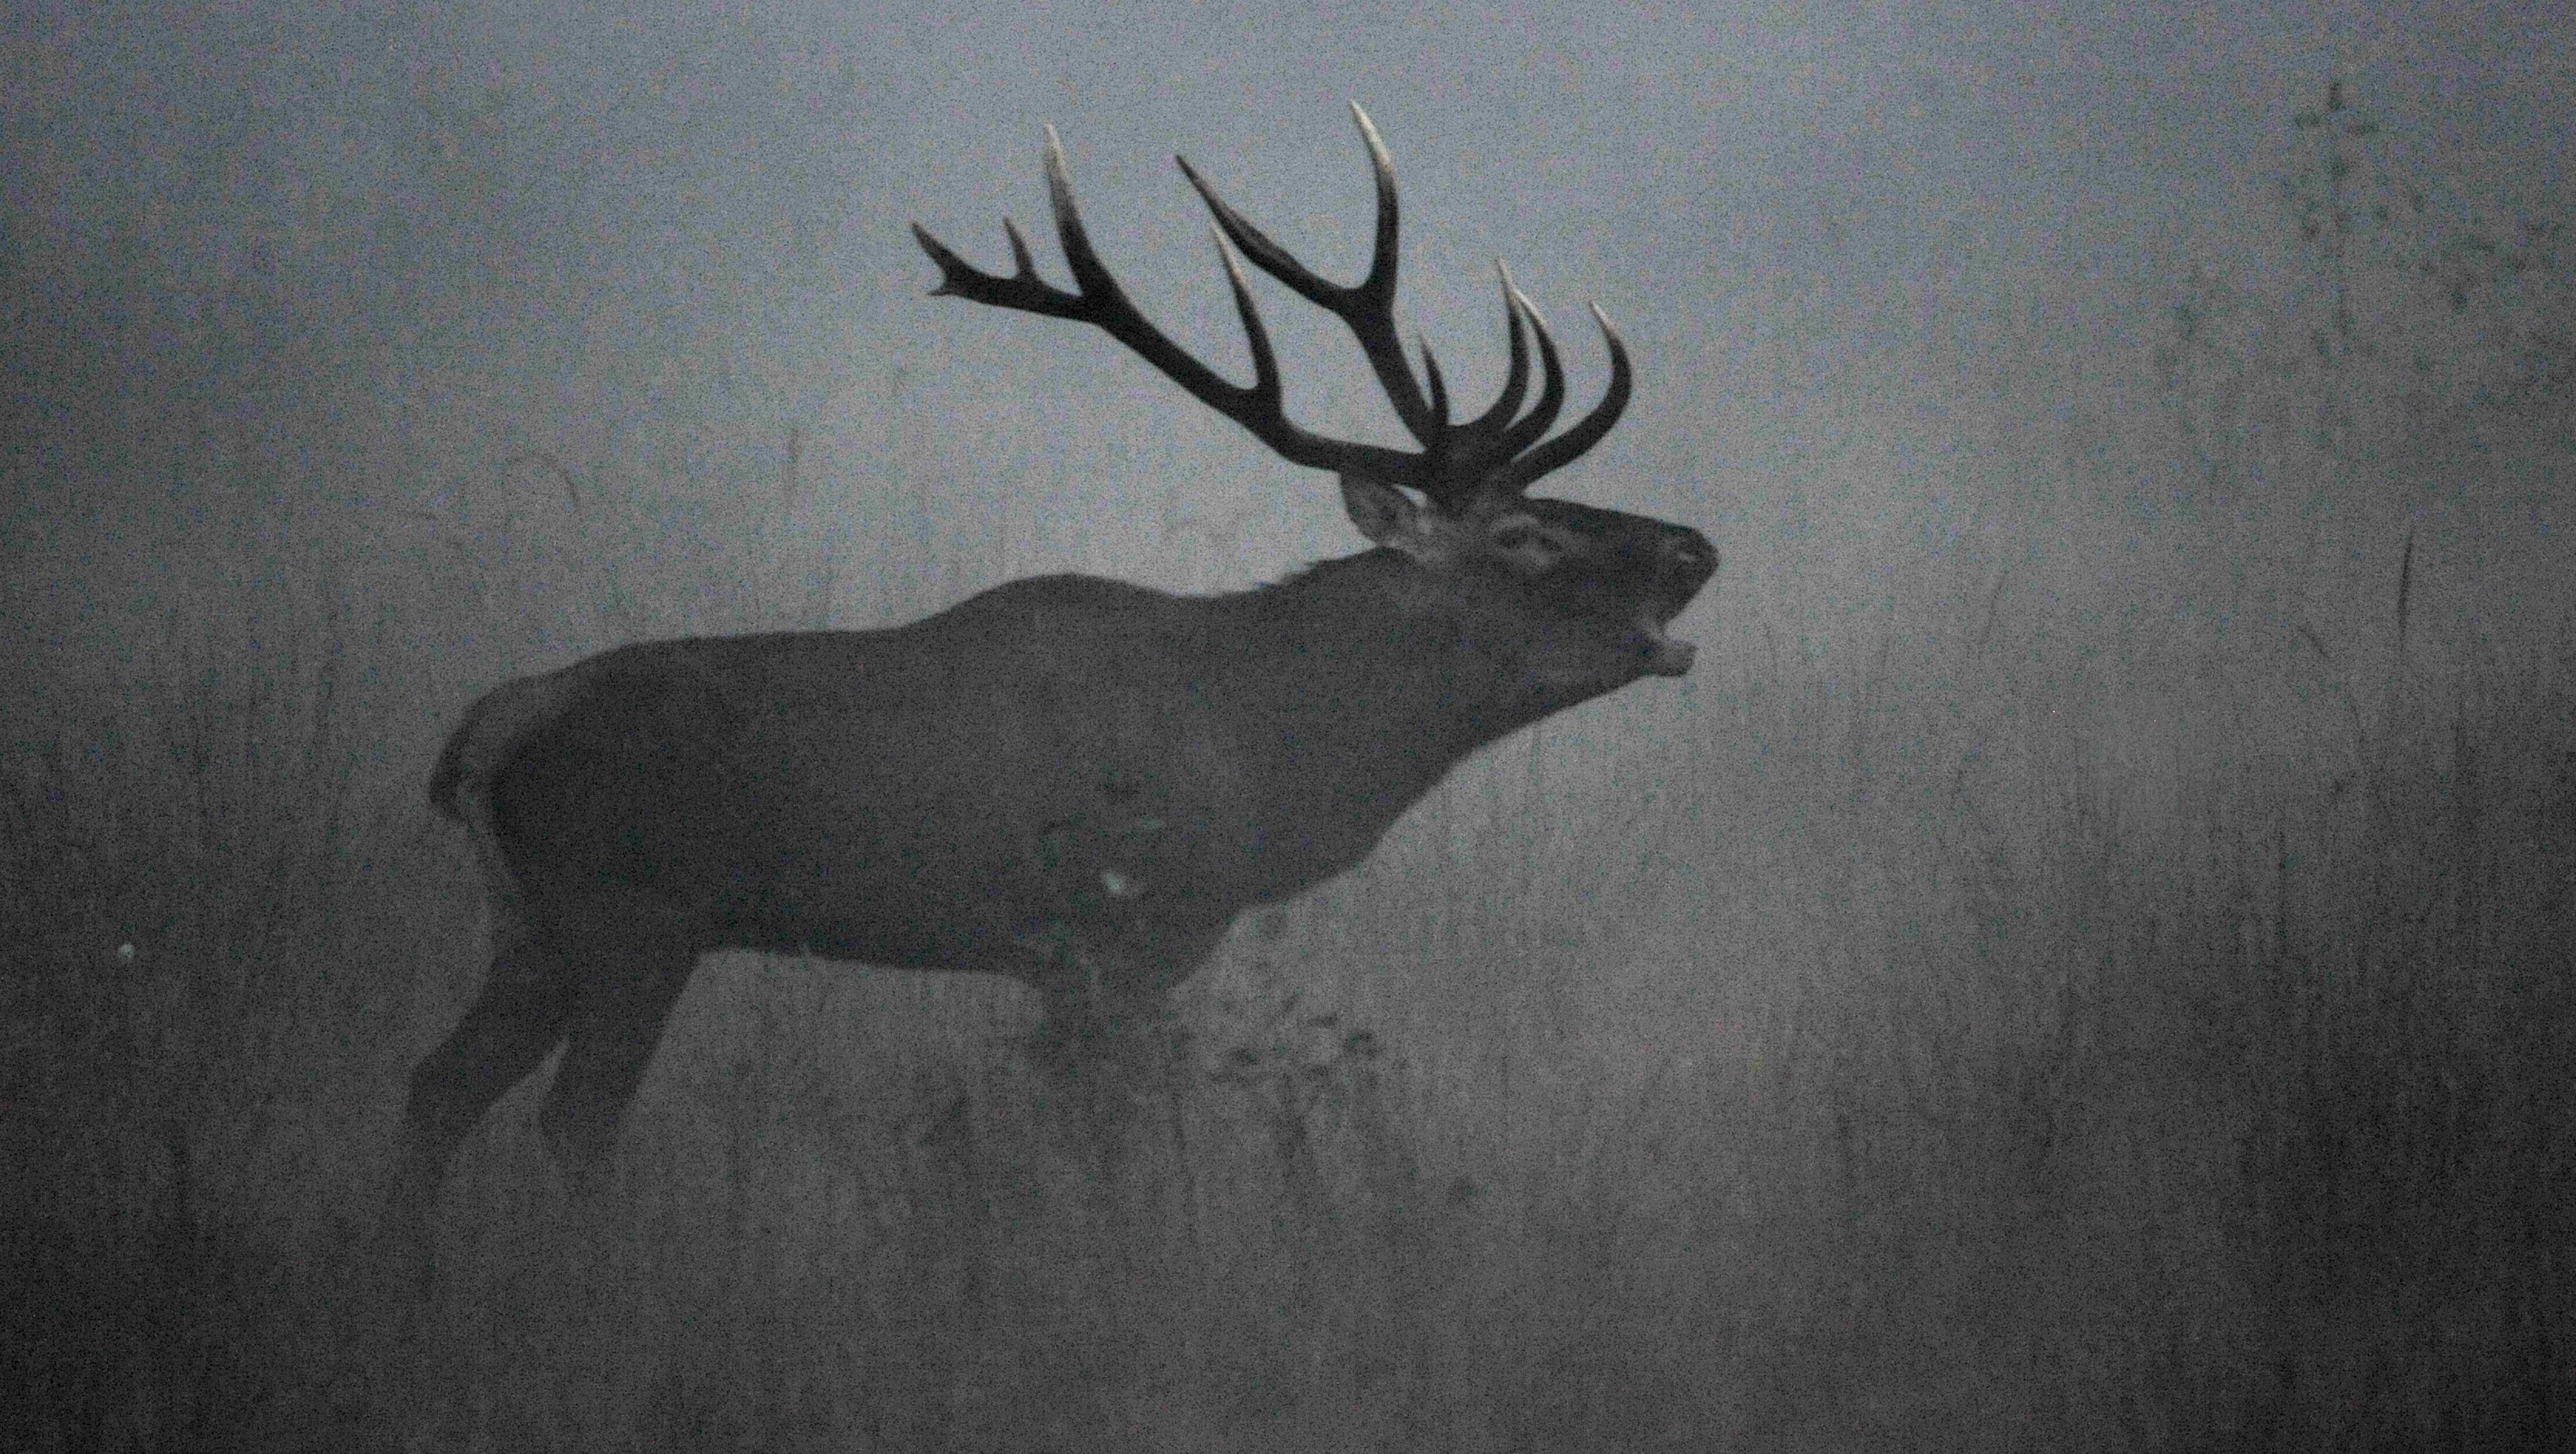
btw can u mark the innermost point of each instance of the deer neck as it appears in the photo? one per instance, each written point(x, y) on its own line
point(1379, 660)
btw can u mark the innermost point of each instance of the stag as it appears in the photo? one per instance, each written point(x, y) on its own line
point(1074, 782)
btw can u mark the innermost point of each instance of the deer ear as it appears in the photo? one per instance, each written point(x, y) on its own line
point(1387, 516)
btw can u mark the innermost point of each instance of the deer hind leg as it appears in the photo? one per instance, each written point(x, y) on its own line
point(531, 991)
point(526, 1004)
point(608, 1042)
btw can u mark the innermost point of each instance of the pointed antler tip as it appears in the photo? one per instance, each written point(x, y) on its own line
point(1225, 252)
point(1376, 144)
point(938, 253)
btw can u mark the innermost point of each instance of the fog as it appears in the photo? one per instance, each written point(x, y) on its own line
point(2124, 428)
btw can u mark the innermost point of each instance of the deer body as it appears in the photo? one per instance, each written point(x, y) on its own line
point(1074, 782)
point(1057, 751)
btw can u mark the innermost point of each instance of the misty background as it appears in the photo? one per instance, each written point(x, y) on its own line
point(2115, 421)
point(1921, 305)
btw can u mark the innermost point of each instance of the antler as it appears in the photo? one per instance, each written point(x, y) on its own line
point(1491, 452)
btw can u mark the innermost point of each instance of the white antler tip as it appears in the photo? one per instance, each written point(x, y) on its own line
point(1225, 253)
point(1368, 133)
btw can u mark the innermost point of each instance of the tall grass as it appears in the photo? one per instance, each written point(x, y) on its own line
point(179, 874)
point(1823, 1106)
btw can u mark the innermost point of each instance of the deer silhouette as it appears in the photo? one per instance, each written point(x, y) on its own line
point(1075, 782)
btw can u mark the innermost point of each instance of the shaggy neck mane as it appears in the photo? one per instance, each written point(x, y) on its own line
point(1322, 591)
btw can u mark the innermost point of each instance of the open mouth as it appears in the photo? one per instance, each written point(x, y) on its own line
point(1666, 655)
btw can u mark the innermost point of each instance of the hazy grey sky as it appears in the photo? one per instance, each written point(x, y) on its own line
point(1897, 277)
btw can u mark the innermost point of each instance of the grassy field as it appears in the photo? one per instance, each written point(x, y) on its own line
point(2086, 962)
point(1779, 1073)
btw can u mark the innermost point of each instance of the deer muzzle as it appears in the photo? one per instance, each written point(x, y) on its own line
point(1666, 655)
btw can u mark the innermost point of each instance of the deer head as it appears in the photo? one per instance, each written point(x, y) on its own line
point(1608, 582)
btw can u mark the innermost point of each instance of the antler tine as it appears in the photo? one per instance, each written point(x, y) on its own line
point(1021, 262)
point(1265, 364)
point(1480, 432)
point(1099, 301)
point(1551, 390)
point(1439, 393)
point(1517, 476)
point(1381, 274)
point(1366, 308)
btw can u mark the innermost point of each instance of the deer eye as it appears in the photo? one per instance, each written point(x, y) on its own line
point(1529, 542)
